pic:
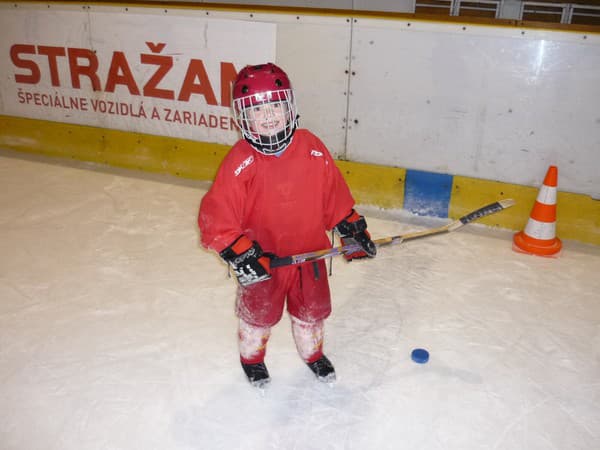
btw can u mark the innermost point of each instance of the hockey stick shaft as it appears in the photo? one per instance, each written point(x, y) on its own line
point(343, 249)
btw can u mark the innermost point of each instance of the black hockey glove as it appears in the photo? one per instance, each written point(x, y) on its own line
point(353, 230)
point(248, 261)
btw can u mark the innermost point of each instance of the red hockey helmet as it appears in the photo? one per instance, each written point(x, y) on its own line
point(264, 107)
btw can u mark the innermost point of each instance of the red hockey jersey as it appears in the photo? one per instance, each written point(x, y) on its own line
point(286, 203)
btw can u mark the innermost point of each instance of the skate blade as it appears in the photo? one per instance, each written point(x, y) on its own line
point(328, 379)
point(261, 384)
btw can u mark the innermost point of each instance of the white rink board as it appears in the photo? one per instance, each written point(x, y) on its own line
point(484, 102)
point(320, 75)
point(156, 52)
point(315, 51)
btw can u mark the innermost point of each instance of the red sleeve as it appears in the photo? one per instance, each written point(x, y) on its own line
point(222, 208)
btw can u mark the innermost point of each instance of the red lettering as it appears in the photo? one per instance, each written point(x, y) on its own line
point(228, 76)
point(87, 70)
point(155, 48)
point(120, 73)
point(196, 70)
point(83, 63)
point(34, 75)
point(164, 64)
point(52, 53)
point(177, 116)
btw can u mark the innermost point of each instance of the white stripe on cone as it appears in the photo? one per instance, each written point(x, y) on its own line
point(540, 230)
point(547, 195)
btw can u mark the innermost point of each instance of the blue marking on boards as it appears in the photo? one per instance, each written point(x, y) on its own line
point(427, 193)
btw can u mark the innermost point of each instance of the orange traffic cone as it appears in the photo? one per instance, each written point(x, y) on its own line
point(539, 237)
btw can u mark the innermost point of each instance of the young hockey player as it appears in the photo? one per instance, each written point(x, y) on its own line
point(277, 192)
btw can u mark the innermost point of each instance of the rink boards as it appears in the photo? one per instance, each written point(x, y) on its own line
point(421, 192)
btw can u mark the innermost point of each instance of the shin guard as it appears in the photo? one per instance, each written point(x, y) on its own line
point(252, 341)
point(308, 338)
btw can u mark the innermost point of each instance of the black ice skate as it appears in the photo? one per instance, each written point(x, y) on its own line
point(323, 369)
point(257, 374)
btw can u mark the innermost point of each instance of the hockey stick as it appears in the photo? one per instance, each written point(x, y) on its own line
point(343, 249)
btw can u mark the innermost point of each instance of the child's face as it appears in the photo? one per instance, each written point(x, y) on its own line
point(268, 119)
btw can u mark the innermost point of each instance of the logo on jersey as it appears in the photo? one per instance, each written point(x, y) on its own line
point(243, 165)
point(315, 153)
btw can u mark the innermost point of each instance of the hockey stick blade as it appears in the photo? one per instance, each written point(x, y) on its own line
point(343, 249)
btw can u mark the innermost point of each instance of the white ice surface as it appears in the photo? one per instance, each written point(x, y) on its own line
point(117, 331)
